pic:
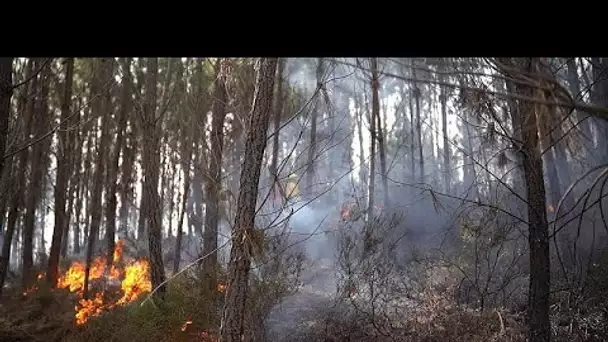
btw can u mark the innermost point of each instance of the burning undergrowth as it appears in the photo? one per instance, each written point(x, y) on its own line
point(112, 311)
point(125, 281)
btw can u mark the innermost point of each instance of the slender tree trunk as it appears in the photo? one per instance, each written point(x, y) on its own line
point(200, 165)
point(538, 236)
point(61, 183)
point(278, 113)
point(8, 235)
point(419, 130)
point(372, 151)
point(6, 92)
point(129, 149)
point(151, 173)
point(380, 132)
point(312, 151)
point(214, 184)
point(17, 198)
point(240, 254)
point(447, 168)
point(187, 158)
point(38, 168)
point(76, 141)
point(359, 119)
point(574, 85)
point(84, 196)
point(412, 133)
point(174, 179)
point(111, 199)
point(599, 96)
point(100, 108)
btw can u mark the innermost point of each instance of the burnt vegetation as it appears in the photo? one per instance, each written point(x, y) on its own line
point(303, 199)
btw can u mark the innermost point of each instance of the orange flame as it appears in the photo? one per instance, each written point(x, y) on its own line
point(135, 283)
point(220, 287)
point(89, 308)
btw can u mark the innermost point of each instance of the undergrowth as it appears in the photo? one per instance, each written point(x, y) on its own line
point(186, 314)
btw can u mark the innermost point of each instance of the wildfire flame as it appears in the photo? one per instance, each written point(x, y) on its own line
point(135, 282)
point(220, 287)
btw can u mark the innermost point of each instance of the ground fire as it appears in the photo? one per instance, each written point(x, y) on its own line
point(133, 275)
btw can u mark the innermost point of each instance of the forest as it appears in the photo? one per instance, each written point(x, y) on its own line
point(303, 199)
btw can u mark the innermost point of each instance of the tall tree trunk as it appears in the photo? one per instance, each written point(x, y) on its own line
point(84, 196)
point(372, 151)
point(214, 182)
point(129, 151)
point(599, 96)
point(240, 254)
point(574, 85)
point(538, 235)
point(416, 94)
point(143, 209)
point(312, 151)
point(75, 140)
point(186, 152)
point(412, 133)
point(278, 113)
point(38, 169)
point(379, 135)
point(6, 92)
point(100, 109)
point(447, 168)
point(61, 183)
point(200, 165)
point(17, 201)
point(151, 174)
point(111, 199)
point(359, 120)
point(126, 183)
point(19, 194)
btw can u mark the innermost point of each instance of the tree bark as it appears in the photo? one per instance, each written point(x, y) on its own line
point(187, 132)
point(416, 93)
point(278, 114)
point(599, 96)
point(6, 92)
point(214, 181)
point(187, 158)
point(151, 174)
point(380, 133)
point(38, 168)
point(574, 85)
point(99, 110)
point(61, 183)
point(111, 199)
point(312, 151)
point(538, 235)
point(359, 121)
point(17, 200)
point(372, 150)
point(240, 254)
point(447, 168)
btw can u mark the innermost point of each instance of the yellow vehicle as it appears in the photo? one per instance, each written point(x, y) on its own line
point(292, 191)
point(285, 192)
